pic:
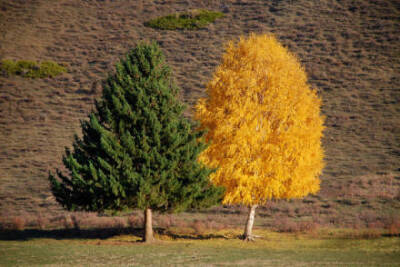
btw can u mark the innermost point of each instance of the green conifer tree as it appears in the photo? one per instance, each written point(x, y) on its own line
point(137, 148)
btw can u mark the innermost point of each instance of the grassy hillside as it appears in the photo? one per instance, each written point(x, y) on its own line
point(350, 49)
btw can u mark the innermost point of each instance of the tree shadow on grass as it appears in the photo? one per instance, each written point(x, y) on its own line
point(188, 236)
point(94, 233)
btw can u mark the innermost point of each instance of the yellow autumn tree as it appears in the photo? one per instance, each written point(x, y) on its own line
point(264, 125)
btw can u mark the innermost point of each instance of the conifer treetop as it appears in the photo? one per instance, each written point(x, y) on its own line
point(137, 150)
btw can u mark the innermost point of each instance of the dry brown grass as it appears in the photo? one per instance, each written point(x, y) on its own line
point(350, 50)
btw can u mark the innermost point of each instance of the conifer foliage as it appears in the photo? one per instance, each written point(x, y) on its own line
point(137, 150)
point(265, 125)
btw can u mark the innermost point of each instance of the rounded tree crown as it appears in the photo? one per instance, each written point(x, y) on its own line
point(264, 124)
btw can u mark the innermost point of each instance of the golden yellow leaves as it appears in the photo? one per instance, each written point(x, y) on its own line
point(264, 124)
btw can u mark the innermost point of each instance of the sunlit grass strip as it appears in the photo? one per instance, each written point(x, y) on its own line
point(272, 249)
point(191, 20)
point(31, 69)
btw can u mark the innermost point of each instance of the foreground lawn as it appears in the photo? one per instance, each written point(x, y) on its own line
point(271, 249)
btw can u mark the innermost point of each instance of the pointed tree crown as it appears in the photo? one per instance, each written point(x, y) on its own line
point(137, 149)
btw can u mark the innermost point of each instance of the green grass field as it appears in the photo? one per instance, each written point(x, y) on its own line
point(271, 249)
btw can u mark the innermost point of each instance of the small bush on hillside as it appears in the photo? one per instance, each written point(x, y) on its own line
point(76, 222)
point(41, 221)
point(107, 223)
point(363, 234)
point(135, 221)
point(285, 225)
point(213, 225)
point(67, 222)
point(392, 225)
point(18, 223)
point(181, 224)
point(31, 69)
point(120, 223)
point(199, 227)
point(2, 223)
point(191, 20)
point(165, 221)
point(49, 69)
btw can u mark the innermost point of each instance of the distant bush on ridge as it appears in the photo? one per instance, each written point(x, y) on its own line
point(191, 20)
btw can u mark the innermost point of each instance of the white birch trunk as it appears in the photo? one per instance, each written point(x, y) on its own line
point(249, 224)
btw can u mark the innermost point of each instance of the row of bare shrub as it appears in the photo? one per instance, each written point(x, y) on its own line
point(373, 225)
point(82, 220)
point(283, 224)
point(21, 222)
point(67, 221)
point(365, 220)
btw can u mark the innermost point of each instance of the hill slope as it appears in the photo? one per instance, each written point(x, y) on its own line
point(351, 51)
